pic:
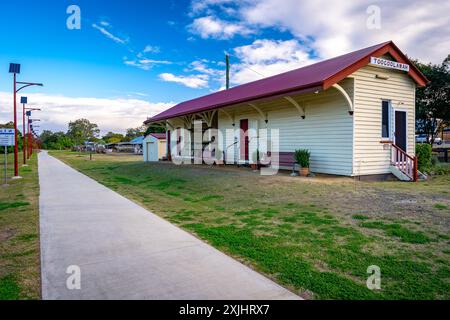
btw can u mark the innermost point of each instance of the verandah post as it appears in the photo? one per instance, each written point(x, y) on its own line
point(416, 169)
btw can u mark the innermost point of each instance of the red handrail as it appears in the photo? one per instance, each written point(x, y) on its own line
point(405, 163)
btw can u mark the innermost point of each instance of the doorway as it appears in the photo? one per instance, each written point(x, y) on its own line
point(169, 147)
point(401, 130)
point(244, 141)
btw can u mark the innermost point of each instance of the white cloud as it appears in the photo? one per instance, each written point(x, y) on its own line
point(108, 34)
point(202, 66)
point(212, 27)
point(142, 61)
point(199, 6)
point(144, 64)
point(110, 114)
point(192, 81)
point(264, 58)
point(151, 49)
point(331, 28)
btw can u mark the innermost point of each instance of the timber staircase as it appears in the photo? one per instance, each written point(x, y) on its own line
point(403, 166)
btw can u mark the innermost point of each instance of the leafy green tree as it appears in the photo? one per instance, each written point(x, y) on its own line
point(112, 137)
point(55, 141)
point(134, 133)
point(83, 130)
point(433, 101)
point(155, 129)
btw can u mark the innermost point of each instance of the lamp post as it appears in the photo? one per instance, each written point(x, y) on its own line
point(32, 133)
point(28, 146)
point(24, 101)
point(14, 68)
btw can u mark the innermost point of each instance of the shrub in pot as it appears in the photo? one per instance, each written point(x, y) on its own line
point(302, 157)
point(255, 160)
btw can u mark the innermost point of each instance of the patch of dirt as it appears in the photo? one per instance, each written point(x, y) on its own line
point(7, 234)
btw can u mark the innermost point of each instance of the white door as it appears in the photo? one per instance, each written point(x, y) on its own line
point(152, 152)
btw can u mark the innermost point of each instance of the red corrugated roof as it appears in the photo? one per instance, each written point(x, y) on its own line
point(321, 75)
point(159, 136)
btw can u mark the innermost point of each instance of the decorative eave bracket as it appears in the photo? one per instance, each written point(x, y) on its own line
point(347, 97)
point(263, 115)
point(232, 119)
point(188, 121)
point(300, 109)
point(171, 126)
point(208, 117)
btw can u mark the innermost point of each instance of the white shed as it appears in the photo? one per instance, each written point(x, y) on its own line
point(154, 147)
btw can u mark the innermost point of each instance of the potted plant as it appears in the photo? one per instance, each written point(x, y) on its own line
point(255, 161)
point(302, 157)
point(220, 156)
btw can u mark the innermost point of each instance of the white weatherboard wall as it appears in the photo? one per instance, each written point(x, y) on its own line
point(370, 155)
point(327, 130)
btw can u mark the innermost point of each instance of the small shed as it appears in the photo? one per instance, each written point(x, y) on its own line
point(155, 147)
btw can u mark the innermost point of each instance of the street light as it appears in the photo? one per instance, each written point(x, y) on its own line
point(32, 133)
point(24, 101)
point(14, 68)
point(29, 145)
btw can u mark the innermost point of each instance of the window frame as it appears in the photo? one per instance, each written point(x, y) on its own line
point(389, 120)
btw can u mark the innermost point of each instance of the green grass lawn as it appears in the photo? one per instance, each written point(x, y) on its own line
point(316, 237)
point(19, 234)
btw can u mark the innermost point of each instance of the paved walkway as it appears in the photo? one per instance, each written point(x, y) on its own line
point(125, 251)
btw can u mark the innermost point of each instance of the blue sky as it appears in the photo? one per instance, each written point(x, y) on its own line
point(132, 59)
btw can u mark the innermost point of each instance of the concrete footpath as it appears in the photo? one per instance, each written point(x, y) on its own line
point(125, 252)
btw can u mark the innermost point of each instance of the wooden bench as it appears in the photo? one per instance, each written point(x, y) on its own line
point(285, 159)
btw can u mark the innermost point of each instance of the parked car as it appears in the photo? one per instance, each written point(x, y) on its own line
point(422, 138)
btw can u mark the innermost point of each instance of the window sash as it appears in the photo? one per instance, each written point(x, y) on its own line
point(385, 120)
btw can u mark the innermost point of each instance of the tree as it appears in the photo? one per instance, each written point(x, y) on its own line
point(134, 133)
point(155, 129)
point(55, 141)
point(433, 101)
point(83, 130)
point(112, 137)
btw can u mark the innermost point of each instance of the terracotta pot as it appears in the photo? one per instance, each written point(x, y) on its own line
point(254, 166)
point(304, 172)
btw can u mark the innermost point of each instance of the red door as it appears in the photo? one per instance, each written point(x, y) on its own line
point(169, 150)
point(244, 140)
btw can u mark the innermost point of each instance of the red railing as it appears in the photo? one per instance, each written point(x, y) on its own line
point(405, 163)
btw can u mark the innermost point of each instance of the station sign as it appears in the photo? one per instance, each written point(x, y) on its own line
point(7, 137)
point(383, 63)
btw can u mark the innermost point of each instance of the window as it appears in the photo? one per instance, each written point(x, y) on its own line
point(385, 127)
